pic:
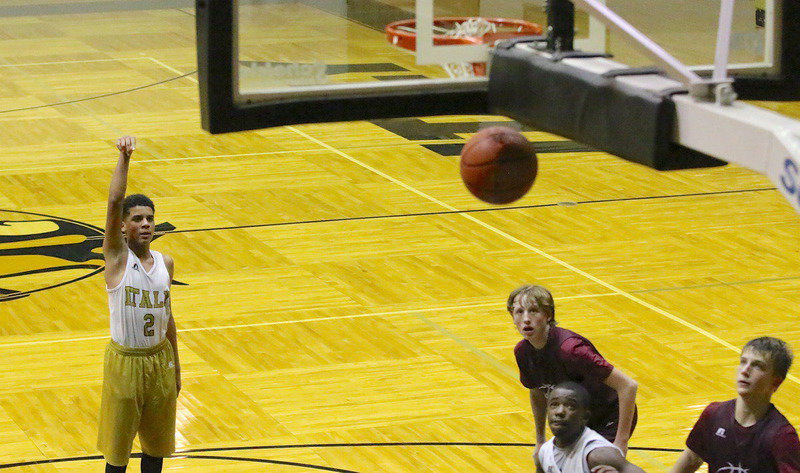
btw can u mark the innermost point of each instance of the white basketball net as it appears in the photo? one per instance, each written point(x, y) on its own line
point(459, 69)
point(475, 27)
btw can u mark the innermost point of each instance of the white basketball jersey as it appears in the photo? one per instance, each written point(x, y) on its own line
point(572, 459)
point(138, 304)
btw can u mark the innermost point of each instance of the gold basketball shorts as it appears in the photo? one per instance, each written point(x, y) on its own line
point(139, 395)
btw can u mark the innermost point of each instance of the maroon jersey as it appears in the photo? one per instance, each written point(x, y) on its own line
point(568, 356)
point(768, 446)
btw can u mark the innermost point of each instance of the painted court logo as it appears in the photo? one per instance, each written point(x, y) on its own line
point(39, 252)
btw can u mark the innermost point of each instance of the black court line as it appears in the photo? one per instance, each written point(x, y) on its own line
point(189, 453)
point(719, 284)
point(17, 295)
point(207, 457)
point(274, 462)
point(51, 269)
point(98, 96)
point(42, 9)
point(397, 444)
point(541, 147)
point(470, 211)
point(336, 69)
point(190, 13)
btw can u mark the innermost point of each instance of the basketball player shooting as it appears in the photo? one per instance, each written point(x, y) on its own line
point(141, 375)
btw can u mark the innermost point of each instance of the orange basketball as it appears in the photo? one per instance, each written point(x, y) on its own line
point(498, 165)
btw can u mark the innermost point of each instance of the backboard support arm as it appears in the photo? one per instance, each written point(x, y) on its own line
point(718, 90)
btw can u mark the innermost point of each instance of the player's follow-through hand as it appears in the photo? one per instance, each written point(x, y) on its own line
point(126, 145)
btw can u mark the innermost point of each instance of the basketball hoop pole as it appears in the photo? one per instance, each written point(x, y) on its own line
point(723, 85)
point(560, 25)
point(723, 39)
point(699, 88)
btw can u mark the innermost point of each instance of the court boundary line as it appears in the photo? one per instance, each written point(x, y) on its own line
point(466, 211)
point(664, 313)
point(94, 97)
point(405, 143)
point(76, 61)
point(172, 69)
point(297, 321)
point(188, 453)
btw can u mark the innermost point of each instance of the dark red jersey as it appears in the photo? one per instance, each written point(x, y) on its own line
point(568, 356)
point(768, 446)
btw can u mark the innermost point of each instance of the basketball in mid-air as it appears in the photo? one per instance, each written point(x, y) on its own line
point(498, 165)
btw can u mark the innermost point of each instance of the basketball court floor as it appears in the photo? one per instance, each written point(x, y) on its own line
point(339, 295)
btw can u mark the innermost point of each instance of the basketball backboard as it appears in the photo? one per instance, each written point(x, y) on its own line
point(266, 63)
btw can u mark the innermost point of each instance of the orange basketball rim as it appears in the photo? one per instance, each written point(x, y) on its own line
point(447, 33)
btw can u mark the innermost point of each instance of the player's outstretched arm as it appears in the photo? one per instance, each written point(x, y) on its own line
point(609, 460)
point(688, 462)
point(626, 388)
point(539, 408)
point(114, 248)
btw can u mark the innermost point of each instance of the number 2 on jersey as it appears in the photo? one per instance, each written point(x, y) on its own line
point(149, 321)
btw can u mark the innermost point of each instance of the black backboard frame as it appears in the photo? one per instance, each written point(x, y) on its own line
point(786, 84)
point(221, 114)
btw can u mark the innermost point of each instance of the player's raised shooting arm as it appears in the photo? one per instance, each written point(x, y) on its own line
point(113, 241)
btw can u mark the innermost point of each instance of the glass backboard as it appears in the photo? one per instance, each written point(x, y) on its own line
point(266, 63)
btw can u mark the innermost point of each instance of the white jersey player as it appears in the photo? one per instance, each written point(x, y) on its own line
point(138, 304)
point(575, 448)
point(141, 374)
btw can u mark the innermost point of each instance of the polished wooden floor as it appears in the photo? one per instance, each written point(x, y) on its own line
point(343, 297)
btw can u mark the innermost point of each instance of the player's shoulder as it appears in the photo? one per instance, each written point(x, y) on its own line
point(783, 436)
point(565, 335)
point(522, 347)
point(780, 420)
point(717, 405)
point(568, 340)
point(787, 429)
point(168, 262)
point(718, 408)
point(592, 438)
point(599, 451)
